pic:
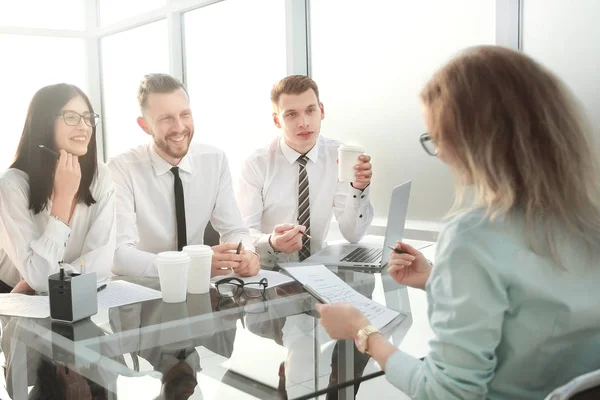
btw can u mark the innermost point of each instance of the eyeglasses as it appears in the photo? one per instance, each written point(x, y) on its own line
point(429, 144)
point(232, 287)
point(72, 118)
point(254, 300)
point(256, 305)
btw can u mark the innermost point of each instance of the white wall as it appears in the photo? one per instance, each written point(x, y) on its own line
point(564, 35)
point(370, 60)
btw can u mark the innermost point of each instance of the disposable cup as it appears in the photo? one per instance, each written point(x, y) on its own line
point(199, 269)
point(173, 275)
point(347, 159)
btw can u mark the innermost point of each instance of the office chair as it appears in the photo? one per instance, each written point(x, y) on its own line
point(211, 236)
point(583, 387)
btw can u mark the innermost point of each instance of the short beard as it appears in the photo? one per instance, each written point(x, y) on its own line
point(164, 145)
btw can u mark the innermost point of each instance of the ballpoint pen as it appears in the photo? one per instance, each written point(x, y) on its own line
point(306, 235)
point(101, 288)
point(237, 251)
point(397, 250)
point(49, 151)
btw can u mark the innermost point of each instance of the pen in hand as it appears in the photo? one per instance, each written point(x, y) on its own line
point(237, 251)
point(306, 235)
point(49, 151)
point(397, 250)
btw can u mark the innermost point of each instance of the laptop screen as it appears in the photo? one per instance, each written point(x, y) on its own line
point(394, 230)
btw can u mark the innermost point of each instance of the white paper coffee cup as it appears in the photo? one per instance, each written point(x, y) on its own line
point(347, 159)
point(173, 275)
point(199, 270)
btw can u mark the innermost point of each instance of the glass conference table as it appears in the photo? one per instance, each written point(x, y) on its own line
point(208, 347)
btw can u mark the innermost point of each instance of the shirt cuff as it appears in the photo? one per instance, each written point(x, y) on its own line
point(402, 371)
point(263, 247)
point(359, 197)
point(58, 231)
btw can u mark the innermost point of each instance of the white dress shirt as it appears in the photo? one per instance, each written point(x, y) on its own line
point(146, 223)
point(267, 194)
point(33, 244)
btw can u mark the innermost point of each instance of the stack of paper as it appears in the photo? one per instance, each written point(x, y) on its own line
point(116, 293)
point(24, 305)
point(120, 293)
point(333, 289)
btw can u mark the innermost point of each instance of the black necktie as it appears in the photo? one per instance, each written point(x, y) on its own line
point(303, 206)
point(179, 210)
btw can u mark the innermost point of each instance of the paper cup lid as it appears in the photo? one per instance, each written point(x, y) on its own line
point(172, 257)
point(346, 147)
point(198, 250)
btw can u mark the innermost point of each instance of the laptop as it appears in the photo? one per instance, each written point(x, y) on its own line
point(365, 257)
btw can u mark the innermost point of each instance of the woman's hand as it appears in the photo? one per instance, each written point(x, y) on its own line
point(67, 176)
point(410, 268)
point(23, 288)
point(341, 320)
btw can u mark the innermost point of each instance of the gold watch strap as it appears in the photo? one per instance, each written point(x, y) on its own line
point(365, 333)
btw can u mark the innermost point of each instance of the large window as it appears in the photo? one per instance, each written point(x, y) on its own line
point(370, 60)
point(568, 46)
point(126, 58)
point(41, 61)
point(53, 14)
point(115, 10)
point(232, 61)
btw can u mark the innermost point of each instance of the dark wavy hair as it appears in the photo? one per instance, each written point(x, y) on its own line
point(39, 129)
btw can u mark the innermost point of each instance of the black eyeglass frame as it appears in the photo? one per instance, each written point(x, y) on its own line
point(86, 118)
point(424, 139)
point(241, 285)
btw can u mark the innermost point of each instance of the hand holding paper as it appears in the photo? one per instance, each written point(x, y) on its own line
point(331, 288)
point(341, 320)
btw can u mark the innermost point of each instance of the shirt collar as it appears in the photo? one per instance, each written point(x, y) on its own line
point(292, 155)
point(161, 166)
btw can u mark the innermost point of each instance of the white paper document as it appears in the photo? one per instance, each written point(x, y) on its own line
point(274, 278)
point(120, 293)
point(117, 293)
point(23, 305)
point(333, 289)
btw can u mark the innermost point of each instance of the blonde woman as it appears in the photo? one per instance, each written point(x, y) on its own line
point(513, 297)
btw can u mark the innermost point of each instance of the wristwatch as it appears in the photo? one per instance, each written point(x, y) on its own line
point(361, 339)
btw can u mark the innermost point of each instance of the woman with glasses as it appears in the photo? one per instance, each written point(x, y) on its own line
point(513, 296)
point(57, 203)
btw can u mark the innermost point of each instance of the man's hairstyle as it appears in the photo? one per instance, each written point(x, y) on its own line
point(293, 84)
point(157, 83)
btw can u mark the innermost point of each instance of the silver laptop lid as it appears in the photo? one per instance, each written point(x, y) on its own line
point(394, 230)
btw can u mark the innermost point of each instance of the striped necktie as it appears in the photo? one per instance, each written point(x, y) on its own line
point(303, 206)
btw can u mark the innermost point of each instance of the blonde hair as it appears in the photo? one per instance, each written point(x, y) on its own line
point(157, 83)
point(520, 138)
point(293, 84)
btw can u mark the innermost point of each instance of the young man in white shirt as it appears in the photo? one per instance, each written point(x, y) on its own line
point(168, 190)
point(275, 201)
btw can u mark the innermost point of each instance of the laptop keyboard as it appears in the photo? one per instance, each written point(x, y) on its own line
point(364, 255)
